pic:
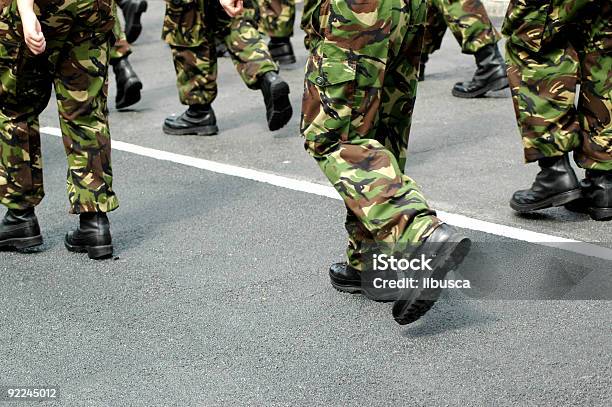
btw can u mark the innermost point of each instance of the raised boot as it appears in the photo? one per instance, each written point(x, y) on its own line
point(197, 120)
point(555, 185)
point(597, 196)
point(132, 11)
point(447, 249)
point(20, 230)
point(276, 97)
point(490, 74)
point(347, 279)
point(128, 84)
point(92, 236)
point(281, 50)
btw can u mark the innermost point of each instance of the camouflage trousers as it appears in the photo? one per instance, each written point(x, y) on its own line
point(468, 21)
point(121, 48)
point(78, 38)
point(277, 17)
point(190, 28)
point(359, 95)
point(553, 46)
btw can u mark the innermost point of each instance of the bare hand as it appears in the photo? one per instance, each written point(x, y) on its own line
point(232, 7)
point(32, 33)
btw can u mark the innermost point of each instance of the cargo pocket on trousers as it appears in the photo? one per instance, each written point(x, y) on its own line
point(328, 103)
point(183, 23)
point(525, 23)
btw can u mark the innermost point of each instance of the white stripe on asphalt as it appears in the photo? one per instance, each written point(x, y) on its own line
point(454, 219)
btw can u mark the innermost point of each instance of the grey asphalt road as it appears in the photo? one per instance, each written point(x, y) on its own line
point(218, 294)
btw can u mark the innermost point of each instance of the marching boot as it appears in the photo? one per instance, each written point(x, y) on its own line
point(490, 74)
point(92, 236)
point(597, 196)
point(281, 50)
point(132, 11)
point(347, 279)
point(424, 59)
point(128, 83)
point(276, 97)
point(555, 185)
point(447, 249)
point(198, 120)
point(20, 230)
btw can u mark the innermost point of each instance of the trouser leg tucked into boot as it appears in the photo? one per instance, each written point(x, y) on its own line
point(20, 230)
point(92, 236)
point(490, 74)
point(555, 185)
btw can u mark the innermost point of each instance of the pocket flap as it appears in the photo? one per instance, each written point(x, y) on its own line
point(332, 72)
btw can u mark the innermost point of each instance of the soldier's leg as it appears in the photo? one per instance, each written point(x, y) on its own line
point(277, 18)
point(435, 30)
point(343, 95)
point(254, 63)
point(81, 87)
point(543, 81)
point(356, 92)
point(25, 88)
point(470, 24)
point(595, 113)
point(128, 83)
point(189, 34)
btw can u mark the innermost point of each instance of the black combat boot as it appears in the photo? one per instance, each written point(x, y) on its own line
point(132, 10)
point(555, 185)
point(276, 96)
point(281, 50)
point(447, 249)
point(198, 120)
point(490, 74)
point(92, 236)
point(347, 279)
point(128, 84)
point(424, 59)
point(596, 196)
point(20, 230)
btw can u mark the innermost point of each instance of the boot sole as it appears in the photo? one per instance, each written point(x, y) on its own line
point(499, 84)
point(352, 289)
point(280, 111)
point(600, 214)
point(555, 200)
point(94, 252)
point(22, 242)
point(418, 301)
point(131, 95)
point(285, 59)
point(210, 130)
point(136, 26)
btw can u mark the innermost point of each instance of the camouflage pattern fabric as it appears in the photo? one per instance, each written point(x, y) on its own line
point(121, 48)
point(552, 46)
point(277, 17)
point(360, 89)
point(468, 21)
point(310, 20)
point(78, 35)
point(190, 28)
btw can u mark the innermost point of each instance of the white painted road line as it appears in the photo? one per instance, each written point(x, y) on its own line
point(460, 221)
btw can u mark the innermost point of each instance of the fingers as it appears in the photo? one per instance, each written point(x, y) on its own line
point(36, 42)
point(233, 8)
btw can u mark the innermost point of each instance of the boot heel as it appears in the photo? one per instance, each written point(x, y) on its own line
point(99, 252)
